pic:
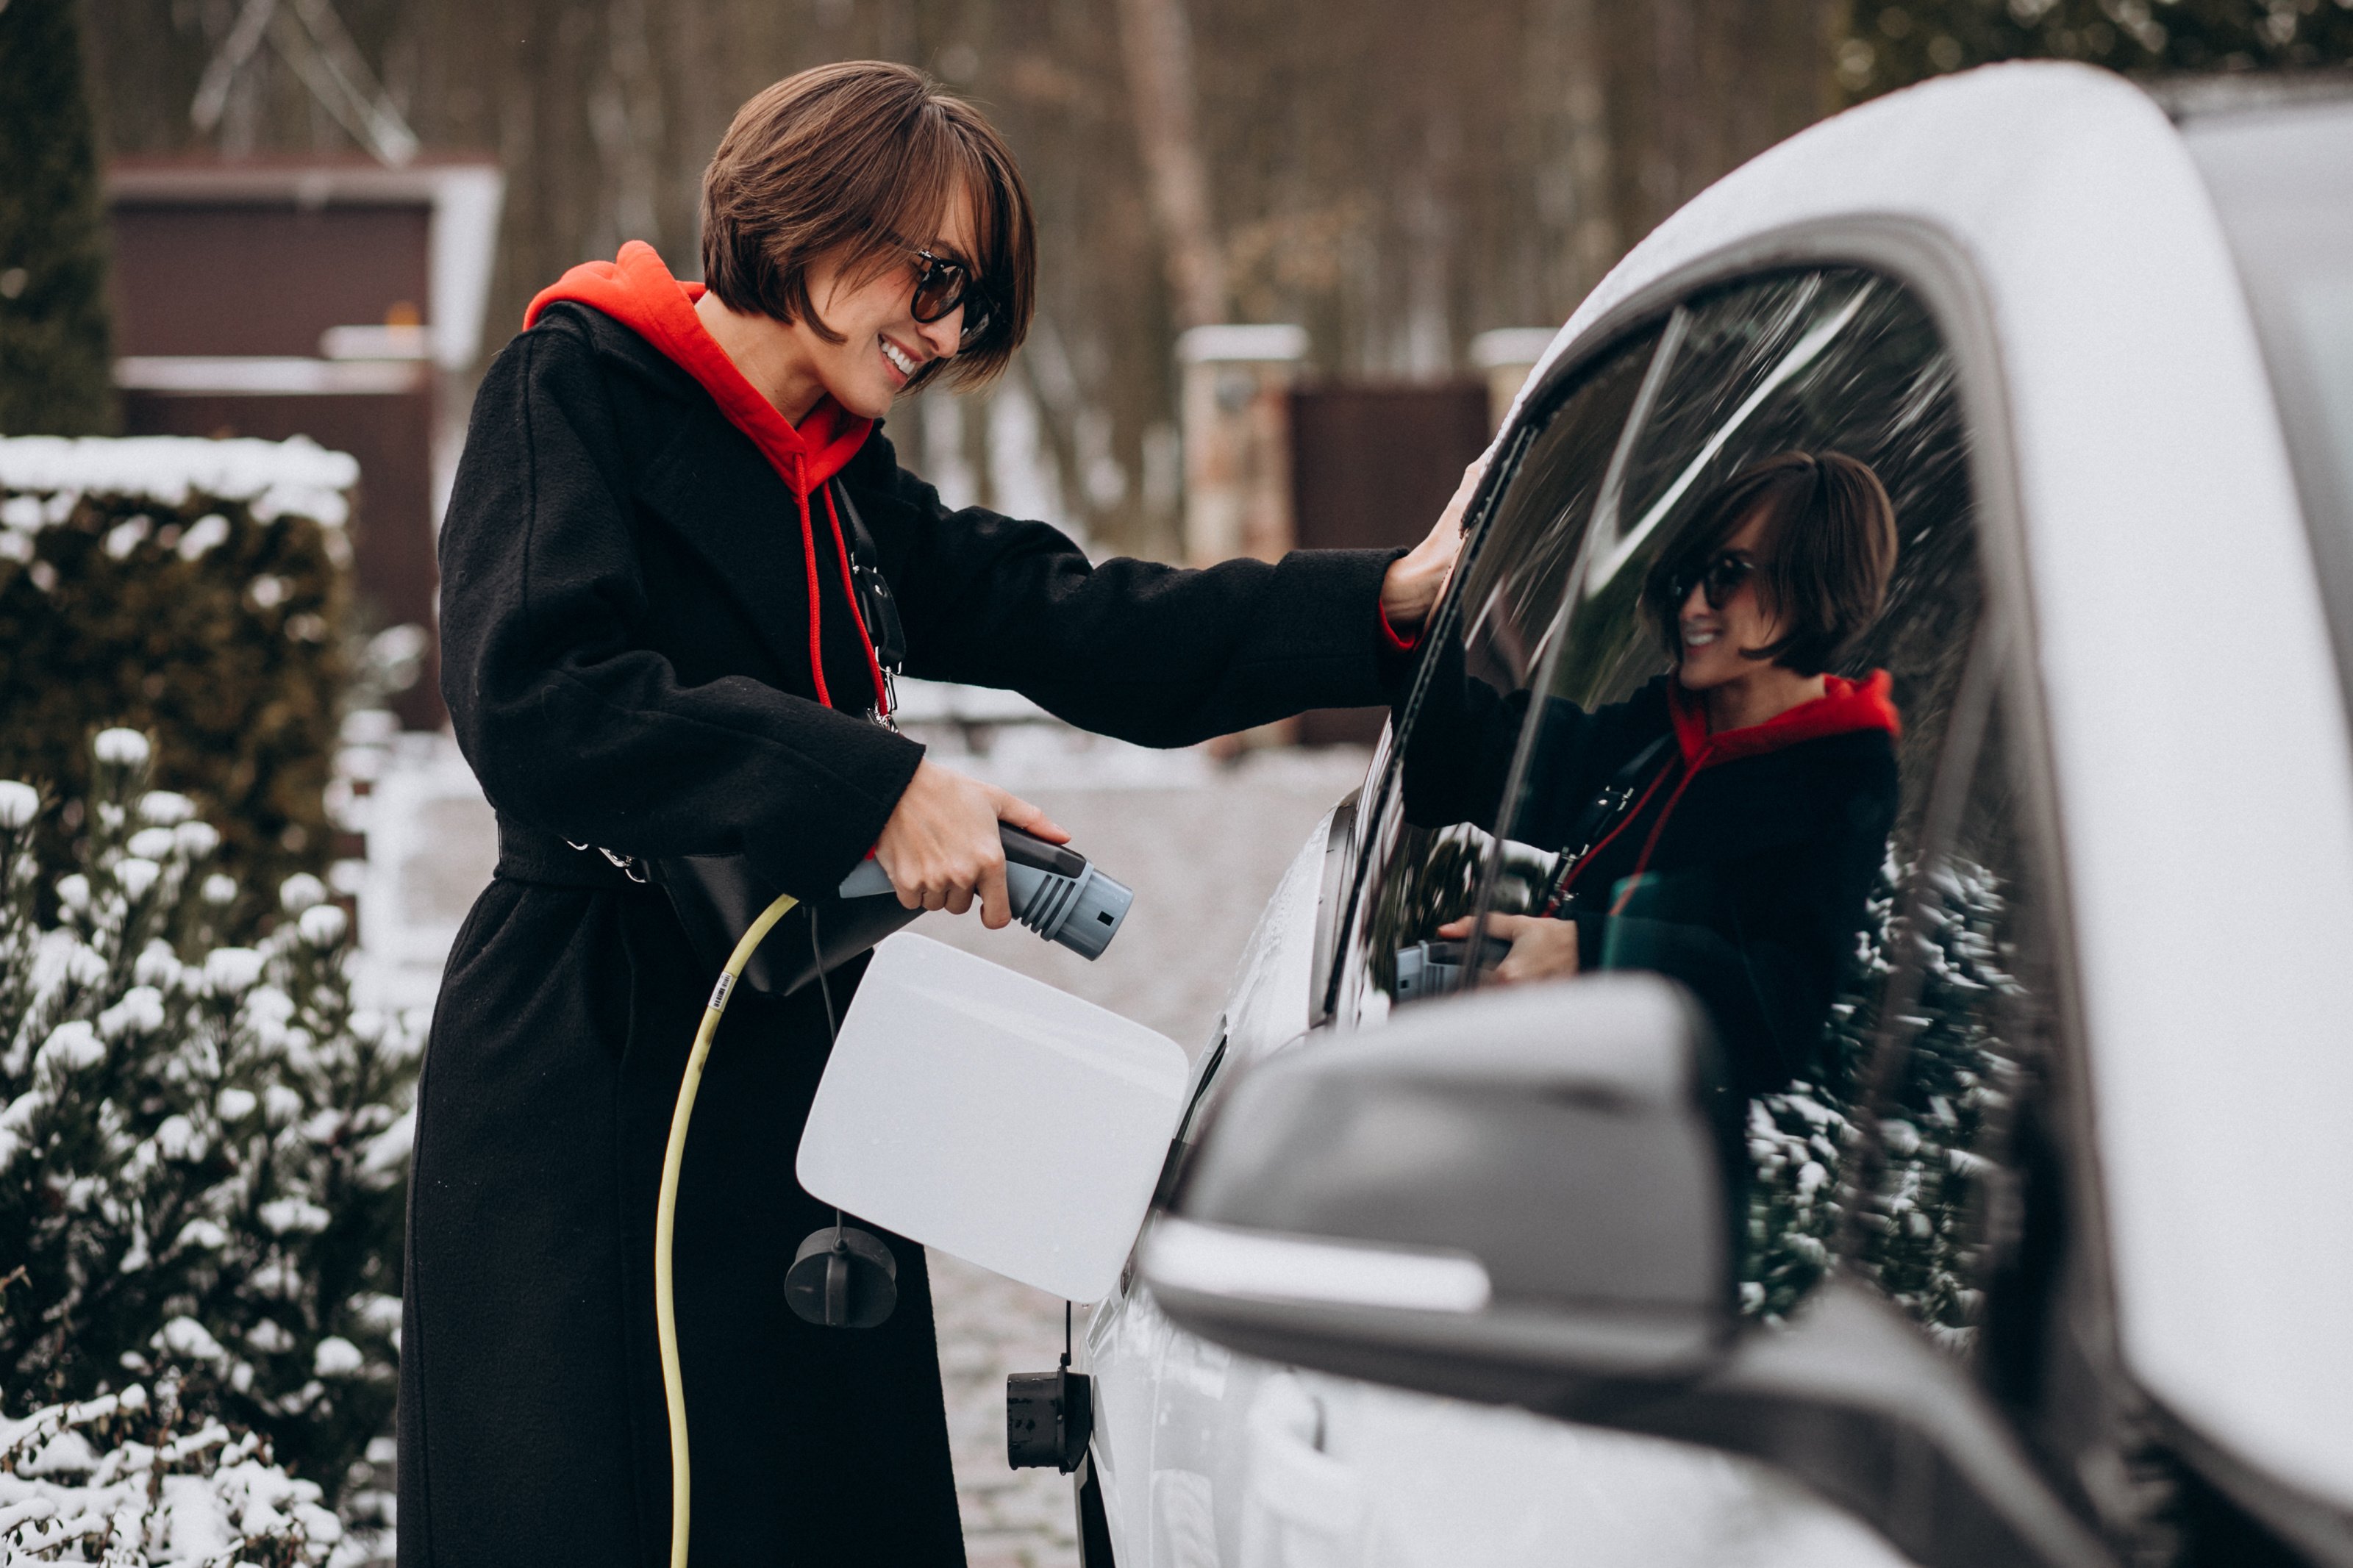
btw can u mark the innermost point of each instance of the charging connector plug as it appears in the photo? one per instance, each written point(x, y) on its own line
point(1049, 1415)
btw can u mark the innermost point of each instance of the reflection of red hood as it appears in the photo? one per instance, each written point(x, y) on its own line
point(637, 290)
point(1843, 707)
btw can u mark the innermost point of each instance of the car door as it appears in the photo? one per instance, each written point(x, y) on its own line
point(1196, 1452)
point(1594, 484)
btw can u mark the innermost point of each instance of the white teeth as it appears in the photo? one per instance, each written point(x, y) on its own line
point(890, 351)
point(1698, 639)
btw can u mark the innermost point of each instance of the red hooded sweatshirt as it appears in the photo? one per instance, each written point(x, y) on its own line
point(1843, 707)
point(637, 290)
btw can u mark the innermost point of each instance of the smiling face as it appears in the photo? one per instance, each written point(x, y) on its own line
point(883, 347)
point(1714, 637)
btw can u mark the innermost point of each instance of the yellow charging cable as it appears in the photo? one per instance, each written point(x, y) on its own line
point(666, 1215)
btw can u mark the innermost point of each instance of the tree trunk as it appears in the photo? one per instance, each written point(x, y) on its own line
point(1157, 45)
point(55, 365)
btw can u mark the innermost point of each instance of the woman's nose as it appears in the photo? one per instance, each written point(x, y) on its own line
point(1695, 602)
point(945, 335)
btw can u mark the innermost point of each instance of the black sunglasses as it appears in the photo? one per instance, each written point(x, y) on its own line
point(940, 285)
point(1719, 580)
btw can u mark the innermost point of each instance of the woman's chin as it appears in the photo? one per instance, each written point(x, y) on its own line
point(865, 402)
point(1699, 675)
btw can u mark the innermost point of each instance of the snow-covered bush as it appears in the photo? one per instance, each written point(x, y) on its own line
point(1799, 1138)
point(1797, 1144)
point(195, 590)
point(203, 1148)
point(1924, 1226)
point(130, 1480)
point(1918, 1236)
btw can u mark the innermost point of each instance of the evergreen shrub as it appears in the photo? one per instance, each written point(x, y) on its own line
point(202, 1147)
point(1918, 1234)
point(130, 1480)
point(194, 590)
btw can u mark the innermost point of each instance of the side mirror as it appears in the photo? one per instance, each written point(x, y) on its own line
point(1469, 1199)
point(1535, 1196)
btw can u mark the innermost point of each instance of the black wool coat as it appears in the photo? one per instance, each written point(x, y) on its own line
point(624, 638)
point(1754, 891)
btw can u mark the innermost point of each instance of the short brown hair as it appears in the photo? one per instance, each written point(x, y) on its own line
point(1829, 549)
point(852, 162)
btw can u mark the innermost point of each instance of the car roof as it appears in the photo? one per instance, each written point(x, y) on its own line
point(2194, 724)
point(2193, 100)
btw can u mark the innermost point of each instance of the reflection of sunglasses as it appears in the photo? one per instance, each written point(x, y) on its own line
point(940, 285)
point(1719, 580)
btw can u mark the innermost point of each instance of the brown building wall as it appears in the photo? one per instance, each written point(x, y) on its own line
point(238, 278)
point(244, 278)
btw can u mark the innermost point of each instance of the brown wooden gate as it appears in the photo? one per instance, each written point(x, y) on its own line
point(1371, 467)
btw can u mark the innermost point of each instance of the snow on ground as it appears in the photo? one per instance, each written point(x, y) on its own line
point(1202, 843)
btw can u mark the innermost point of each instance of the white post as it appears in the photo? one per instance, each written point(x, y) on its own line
point(1236, 417)
point(1505, 356)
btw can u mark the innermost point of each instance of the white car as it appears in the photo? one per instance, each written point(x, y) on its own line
point(2051, 1260)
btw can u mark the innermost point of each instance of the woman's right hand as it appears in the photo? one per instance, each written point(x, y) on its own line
point(1416, 581)
point(941, 845)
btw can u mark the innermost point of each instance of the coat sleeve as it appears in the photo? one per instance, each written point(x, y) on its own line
point(1159, 655)
point(576, 728)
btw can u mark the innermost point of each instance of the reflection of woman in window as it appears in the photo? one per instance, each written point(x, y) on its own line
point(1722, 824)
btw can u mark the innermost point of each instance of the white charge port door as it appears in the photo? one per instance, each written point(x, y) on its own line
point(994, 1117)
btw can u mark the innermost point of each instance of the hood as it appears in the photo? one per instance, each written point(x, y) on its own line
point(1843, 707)
point(637, 290)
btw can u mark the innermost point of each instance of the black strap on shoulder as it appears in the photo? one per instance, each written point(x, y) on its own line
point(874, 600)
point(1601, 814)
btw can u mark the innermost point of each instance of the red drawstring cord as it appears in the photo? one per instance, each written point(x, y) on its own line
point(816, 611)
point(1642, 861)
point(857, 617)
point(816, 605)
point(1552, 905)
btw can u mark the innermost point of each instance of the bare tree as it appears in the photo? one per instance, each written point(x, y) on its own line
point(1157, 45)
point(1393, 186)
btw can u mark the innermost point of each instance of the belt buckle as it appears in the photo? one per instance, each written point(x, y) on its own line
point(629, 865)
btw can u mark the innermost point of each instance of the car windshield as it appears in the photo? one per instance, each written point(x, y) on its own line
point(2283, 181)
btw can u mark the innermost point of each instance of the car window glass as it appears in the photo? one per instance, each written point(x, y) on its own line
point(1954, 1223)
point(1750, 872)
point(1495, 622)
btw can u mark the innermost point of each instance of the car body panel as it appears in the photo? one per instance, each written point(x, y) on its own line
point(1406, 1481)
point(1169, 1407)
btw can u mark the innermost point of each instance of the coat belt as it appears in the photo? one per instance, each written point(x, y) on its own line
point(526, 855)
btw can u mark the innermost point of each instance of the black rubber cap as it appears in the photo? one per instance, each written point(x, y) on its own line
point(842, 1277)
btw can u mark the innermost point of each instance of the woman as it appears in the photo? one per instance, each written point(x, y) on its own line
point(1722, 824)
point(652, 647)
